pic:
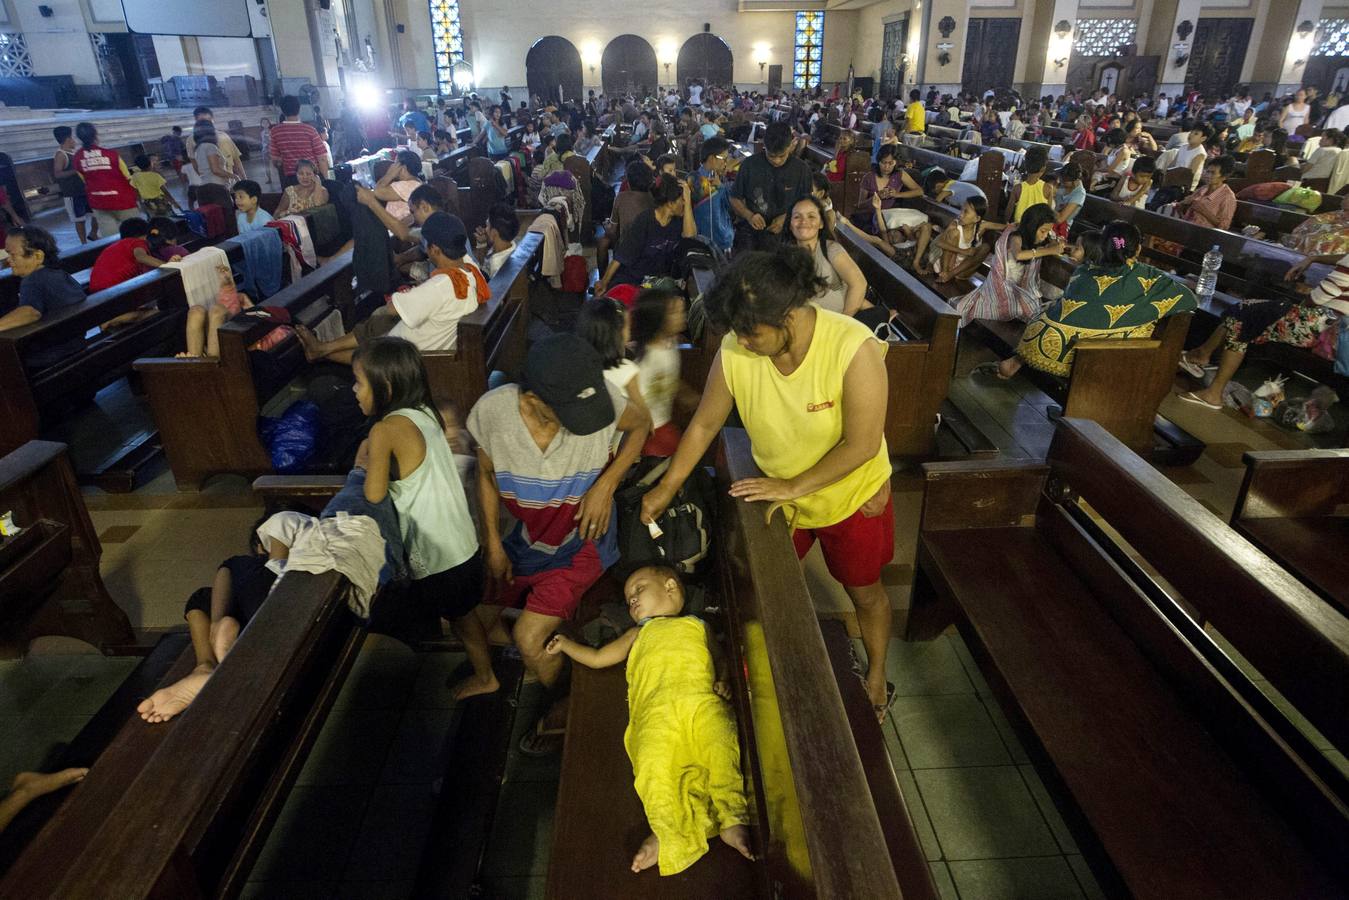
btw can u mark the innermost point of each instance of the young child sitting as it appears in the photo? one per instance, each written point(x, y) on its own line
point(247, 214)
point(124, 259)
point(204, 321)
point(681, 737)
point(152, 189)
point(1132, 189)
point(958, 250)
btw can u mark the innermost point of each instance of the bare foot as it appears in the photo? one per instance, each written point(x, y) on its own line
point(35, 784)
point(308, 342)
point(168, 702)
point(649, 852)
point(737, 836)
point(475, 685)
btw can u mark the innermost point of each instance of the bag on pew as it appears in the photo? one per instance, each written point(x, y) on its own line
point(685, 528)
point(1267, 396)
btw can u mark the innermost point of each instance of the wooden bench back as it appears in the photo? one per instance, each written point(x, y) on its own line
point(1296, 641)
point(490, 338)
point(823, 837)
point(483, 183)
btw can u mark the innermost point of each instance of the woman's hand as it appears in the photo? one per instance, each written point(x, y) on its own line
point(1296, 271)
point(876, 505)
point(770, 489)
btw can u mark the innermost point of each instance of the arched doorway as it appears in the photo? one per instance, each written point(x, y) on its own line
point(554, 64)
point(706, 56)
point(628, 64)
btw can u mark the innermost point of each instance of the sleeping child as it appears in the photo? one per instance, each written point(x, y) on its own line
point(681, 738)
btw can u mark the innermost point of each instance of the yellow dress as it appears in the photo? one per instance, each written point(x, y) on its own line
point(682, 741)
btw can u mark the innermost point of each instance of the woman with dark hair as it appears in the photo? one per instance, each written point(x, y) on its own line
point(1012, 288)
point(810, 387)
point(878, 209)
point(845, 287)
point(603, 323)
point(1118, 298)
point(395, 186)
point(646, 249)
point(207, 159)
point(1214, 204)
point(107, 181)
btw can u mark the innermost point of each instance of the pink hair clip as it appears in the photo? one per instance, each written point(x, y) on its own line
point(1118, 242)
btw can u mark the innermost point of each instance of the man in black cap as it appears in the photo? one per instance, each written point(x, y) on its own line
point(427, 315)
point(543, 454)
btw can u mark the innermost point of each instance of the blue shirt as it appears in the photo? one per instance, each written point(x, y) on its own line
point(260, 219)
point(496, 141)
point(415, 117)
point(48, 290)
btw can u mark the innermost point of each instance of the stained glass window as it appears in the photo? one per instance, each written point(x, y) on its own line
point(1332, 38)
point(809, 49)
point(447, 39)
point(1103, 37)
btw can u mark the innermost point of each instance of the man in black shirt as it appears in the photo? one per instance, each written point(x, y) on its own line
point(766, 188)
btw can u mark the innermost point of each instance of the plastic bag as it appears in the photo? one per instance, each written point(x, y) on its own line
point(1310, 414)
point(1267, 397)
point(1303, 197)
point(292, 439)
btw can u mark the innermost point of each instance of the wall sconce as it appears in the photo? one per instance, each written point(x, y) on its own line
point(1180, 60)
point(1061, 62)
point(761, 57)
point(946, 26)
point(1183, 29)
point(1063, 28)
point(943, 58)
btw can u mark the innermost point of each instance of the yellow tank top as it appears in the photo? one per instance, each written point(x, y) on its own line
point(1031, 194)
point(794, 420)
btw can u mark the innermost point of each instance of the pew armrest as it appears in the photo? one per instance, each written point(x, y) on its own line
point(1293, 484)
point(981, 494)
point(185, 364)
point(288, 487)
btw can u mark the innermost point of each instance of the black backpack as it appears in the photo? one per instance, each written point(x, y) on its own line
point(686, 525)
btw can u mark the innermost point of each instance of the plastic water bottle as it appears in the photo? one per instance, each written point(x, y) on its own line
point(1208, 274)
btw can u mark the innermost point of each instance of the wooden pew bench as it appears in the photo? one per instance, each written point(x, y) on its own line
point(493, 336)
point(813, 793)
point(1294, 506)
point(919, 367)
point(1176, 774)
point(182, 809)
point(207, 410)
point(49, 573)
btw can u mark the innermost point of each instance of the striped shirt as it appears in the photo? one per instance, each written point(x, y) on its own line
point(541, 490)
point(294, 141)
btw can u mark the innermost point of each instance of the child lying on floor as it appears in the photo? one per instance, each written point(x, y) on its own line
point(681, 738)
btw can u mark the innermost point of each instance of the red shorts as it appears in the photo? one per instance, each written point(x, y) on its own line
point(663, 441)
point(555, 592)
point(854, 549)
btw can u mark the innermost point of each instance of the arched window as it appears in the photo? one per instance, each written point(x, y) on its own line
point(447, 40)
point(809, 49)
point(628, 64)
point(706, 56)
point(553, 69)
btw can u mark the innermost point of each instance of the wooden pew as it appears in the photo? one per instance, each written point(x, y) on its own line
point(182, 809)
point(207, 410)
point(49, 575)
point(1294, 506)
point(988, 179)
point(1177, 776)
point(919, 367)
point(826, 822)
point(1273, 221)
point(490, 338)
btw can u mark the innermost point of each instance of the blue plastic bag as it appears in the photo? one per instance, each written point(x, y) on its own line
point(1342, 347)
point(292, 440)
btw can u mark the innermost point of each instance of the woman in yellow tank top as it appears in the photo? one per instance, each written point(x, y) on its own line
point(810, 386)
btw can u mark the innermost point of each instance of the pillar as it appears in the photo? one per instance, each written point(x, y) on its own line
point(929, 45)
point(1170, 46)
point(1050, 53)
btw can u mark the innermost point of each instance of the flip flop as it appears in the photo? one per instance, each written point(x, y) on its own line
point(1189, 397)
point(884, 710)
point(1193, 369)
point(990, 369)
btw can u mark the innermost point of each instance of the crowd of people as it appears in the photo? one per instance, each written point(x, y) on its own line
point(505, 513)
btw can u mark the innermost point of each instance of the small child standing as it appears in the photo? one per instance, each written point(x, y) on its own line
point(681, 738)
point(410, 461)
point(152, 189)
point(248, 216)
point(658, 320)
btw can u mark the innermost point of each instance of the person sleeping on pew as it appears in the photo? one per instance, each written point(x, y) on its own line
point(203, 322)
point(810, 386)
point(1269, 321)
point(427, 315)
point(160, 240)
point(1119, 298)
point(563, 532)
point(44, 288)
point(1012, 289)
point(681, 735)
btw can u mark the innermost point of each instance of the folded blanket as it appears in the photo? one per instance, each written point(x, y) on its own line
point(306, 242)
point(204, 273)
point(262, 263)
point(351, 545)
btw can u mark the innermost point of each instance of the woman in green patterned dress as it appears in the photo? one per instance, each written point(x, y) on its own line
point(1119, 298)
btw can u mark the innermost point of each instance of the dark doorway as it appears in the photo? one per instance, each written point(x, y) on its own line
point(892, 58)
point(990, 54)
point(128, 62)
point(775, 79)
point(1215, 61)
point(553, 64)
point(628, 64)
point(705, 56)
point(1329, 73)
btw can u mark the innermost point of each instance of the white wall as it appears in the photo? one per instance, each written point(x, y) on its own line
point(59, 45)
point(500, 33)
point(223, 57)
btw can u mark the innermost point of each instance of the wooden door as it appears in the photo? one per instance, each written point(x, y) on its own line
point(990, 54)
point(896, 36)
point(705, 56)
point(775, 79)
point(628, 66)
point(1215, 61)
point(553, 66)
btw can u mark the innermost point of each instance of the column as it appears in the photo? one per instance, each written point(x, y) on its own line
point(1280, 53)
point(927, 44)
point(1051, 48)
point(1172, 46)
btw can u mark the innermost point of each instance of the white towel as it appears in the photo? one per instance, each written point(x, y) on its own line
point(202, 275)
point(1339, 175)
point(306, 242)
point(351, 545)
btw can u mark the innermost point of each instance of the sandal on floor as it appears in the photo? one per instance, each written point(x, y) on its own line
point(884, 710)
point(1193, 369)
point(534, 744)
point(990, 369)
point(1189, 397)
